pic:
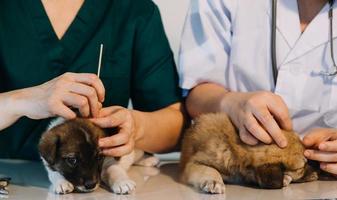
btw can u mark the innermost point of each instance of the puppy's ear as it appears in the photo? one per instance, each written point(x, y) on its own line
point(48, 146)
point(270, 176)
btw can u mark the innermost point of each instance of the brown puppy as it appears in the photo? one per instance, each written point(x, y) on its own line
point(213, 153)
point(70, 152)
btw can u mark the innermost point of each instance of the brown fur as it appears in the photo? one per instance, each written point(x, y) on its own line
point(68, 135)
point(212, 152)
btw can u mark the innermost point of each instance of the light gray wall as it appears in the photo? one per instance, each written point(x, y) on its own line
point(173, 14)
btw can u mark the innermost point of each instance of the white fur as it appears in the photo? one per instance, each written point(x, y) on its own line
point(59, 184)
point(55, 122)
point(123, 186)
point(114, 173)
point(148, 161)
point(287, 180)
point(83, 189)
point(213, 187)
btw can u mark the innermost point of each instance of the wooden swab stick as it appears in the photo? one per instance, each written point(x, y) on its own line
point(100, 60)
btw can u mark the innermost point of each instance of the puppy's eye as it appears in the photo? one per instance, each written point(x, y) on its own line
point(100, 157)
point(71, 161)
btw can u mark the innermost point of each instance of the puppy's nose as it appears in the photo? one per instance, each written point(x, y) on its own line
point(90, 184)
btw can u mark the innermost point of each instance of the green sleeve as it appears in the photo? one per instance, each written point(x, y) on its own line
point(2, 74)
point(155, 78)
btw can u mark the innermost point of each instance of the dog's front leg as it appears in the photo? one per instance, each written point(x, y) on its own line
point(59, 184)
point(145, 160)
point(203, 178)
point(114, 174)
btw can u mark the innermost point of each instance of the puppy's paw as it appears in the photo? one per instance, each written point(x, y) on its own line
point(123, 186)
point(149, 161)
point(62, 187)
point(213, 187)
point(287, 180)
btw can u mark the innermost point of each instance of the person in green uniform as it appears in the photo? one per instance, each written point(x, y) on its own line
point(49, 52)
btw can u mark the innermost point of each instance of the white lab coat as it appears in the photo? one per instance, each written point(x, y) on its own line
point(228, 42)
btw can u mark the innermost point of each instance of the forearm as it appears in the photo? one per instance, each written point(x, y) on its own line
point(160, 131)
point(205, 98)
point(8, 109)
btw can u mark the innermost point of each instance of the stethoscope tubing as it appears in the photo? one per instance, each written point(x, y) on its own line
point(331, 2)
point(273, 41)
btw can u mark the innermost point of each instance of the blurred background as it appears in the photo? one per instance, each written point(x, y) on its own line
point(173, 14)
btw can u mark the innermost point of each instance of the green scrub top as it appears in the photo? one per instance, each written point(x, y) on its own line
point(137, 63)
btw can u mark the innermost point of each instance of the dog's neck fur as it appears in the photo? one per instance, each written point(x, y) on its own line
point(55, 122)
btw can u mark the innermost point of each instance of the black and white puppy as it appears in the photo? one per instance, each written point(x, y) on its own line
point(70, 153)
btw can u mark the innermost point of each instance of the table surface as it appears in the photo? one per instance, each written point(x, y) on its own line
point(29, 181)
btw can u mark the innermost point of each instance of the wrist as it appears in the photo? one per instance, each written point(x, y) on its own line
point(227, 102)
point(18, 102)
point(10, 104)
point(138, 125)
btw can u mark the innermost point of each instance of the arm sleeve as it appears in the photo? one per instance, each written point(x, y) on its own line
point(206, 43)
point(2, 74)
point(155, 82)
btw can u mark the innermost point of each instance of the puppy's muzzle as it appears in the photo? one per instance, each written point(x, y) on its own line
point(88, 186)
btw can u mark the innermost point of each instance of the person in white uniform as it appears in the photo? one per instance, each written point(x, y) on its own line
point(225, 65)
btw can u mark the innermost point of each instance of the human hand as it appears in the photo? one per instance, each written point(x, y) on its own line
point(123, 142)
point(56, 97)
point(259, 116)
point(321, 146)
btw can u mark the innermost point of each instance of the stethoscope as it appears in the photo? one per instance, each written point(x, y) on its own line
point(331, 72)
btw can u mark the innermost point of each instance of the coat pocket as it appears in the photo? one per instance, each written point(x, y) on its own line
point(299, 89)
point(330, 117)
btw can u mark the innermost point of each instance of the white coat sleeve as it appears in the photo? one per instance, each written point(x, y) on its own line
point(206, 43)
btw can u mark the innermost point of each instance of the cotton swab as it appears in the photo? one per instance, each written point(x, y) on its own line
point(100, 60)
